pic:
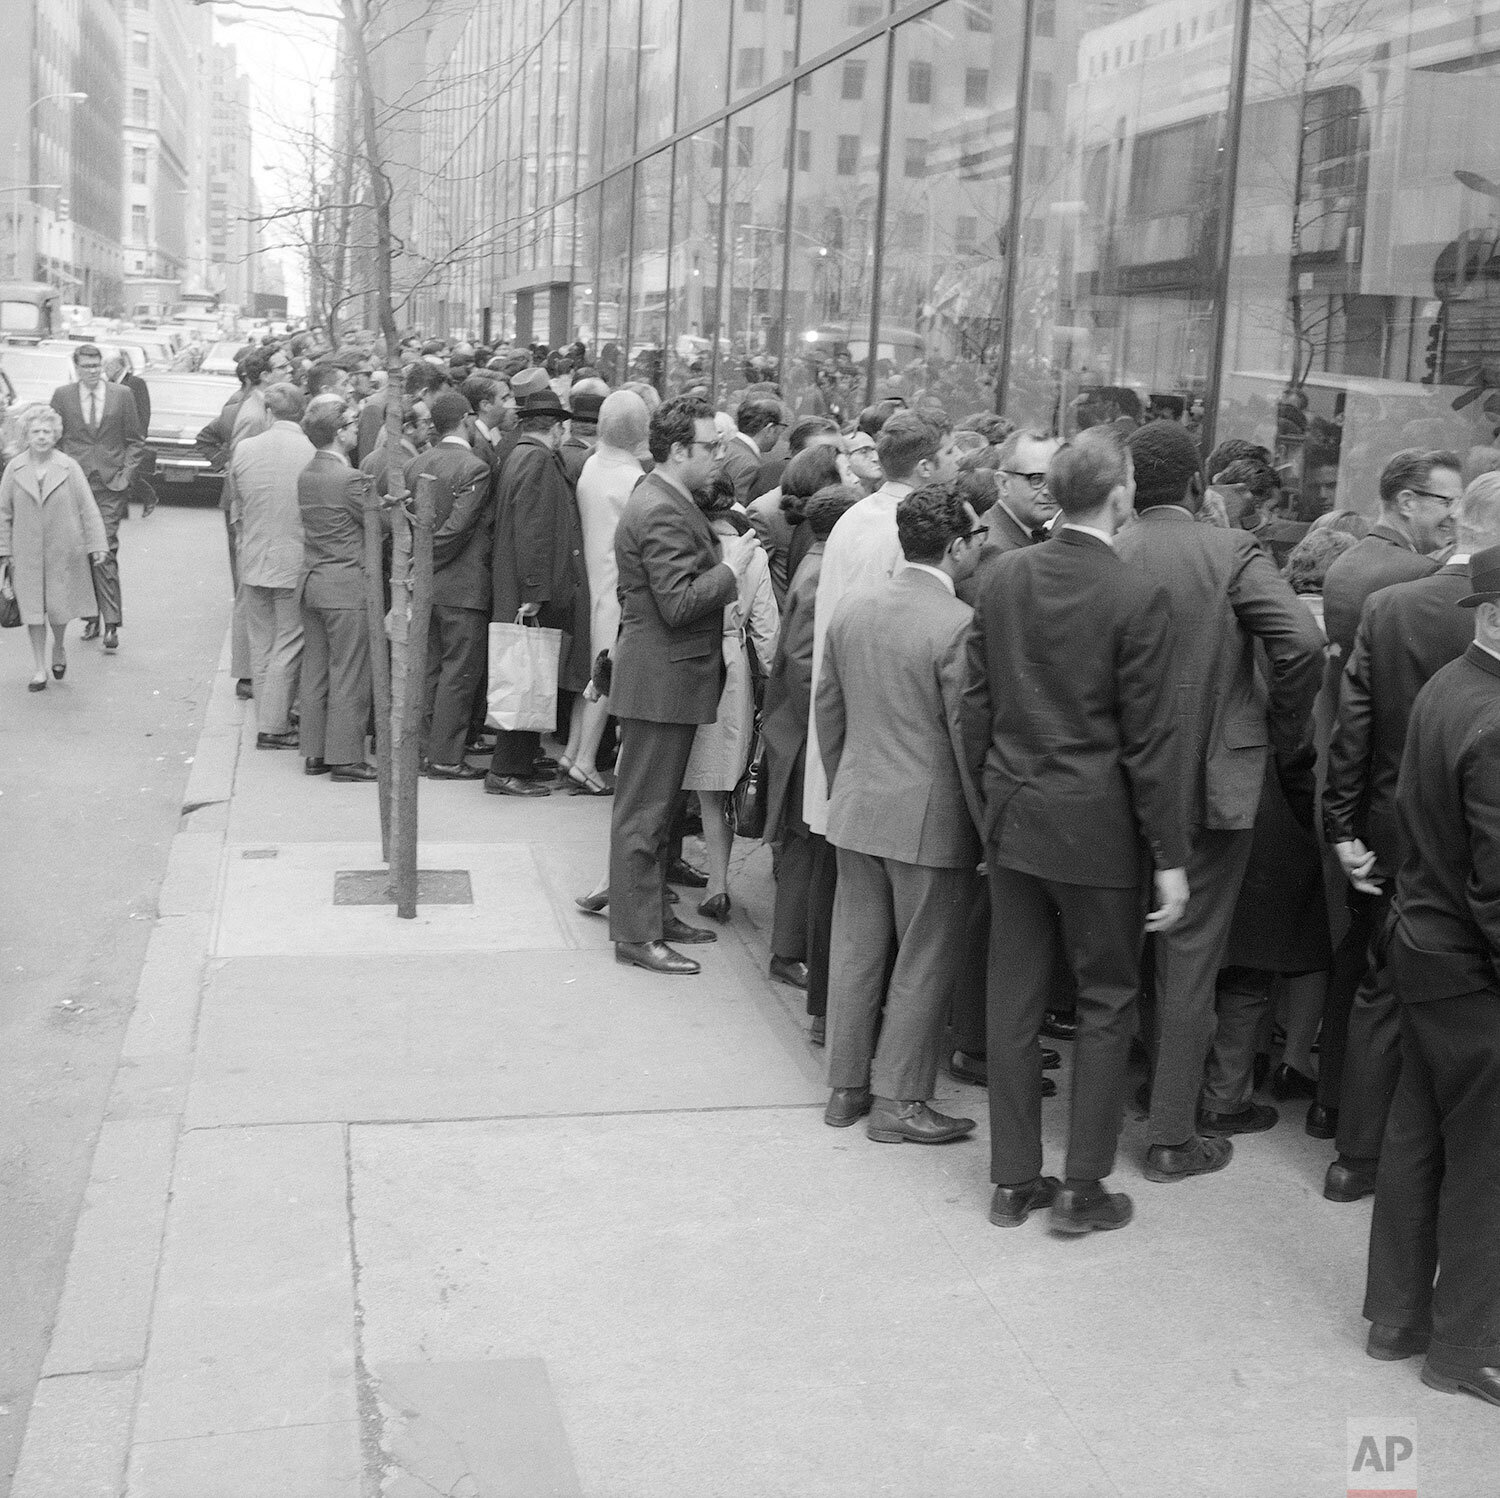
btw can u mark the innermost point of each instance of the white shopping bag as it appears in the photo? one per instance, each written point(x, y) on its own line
point(523, 677)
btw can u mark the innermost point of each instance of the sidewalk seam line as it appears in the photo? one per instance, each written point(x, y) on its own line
point(375, 1123)
point(367, 1402)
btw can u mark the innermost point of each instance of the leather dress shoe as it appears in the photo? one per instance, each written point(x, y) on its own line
point(460, 771)
point(356, 771)
point(912, 1122)
point(673, 929)
point(91, 629)
point(1482, 1383)
point(1012, 1205)
point(965, 1066)
point(1254, 1118)
point(1391, 1344)
point(1288, 1082)
point(817, 1030)
point(244, 688)
point(1088, 1210)
point(111, 637)
point(1059, 1026)
point(1322, 1122)
point(679, 872)
point(595, 904)
point(511, 785)
point(1176, 1162)
point(1349, 1179)
point(277, 740)
point(789, 970)
point(847, 1105)
point(315, 767)
point(655, 957)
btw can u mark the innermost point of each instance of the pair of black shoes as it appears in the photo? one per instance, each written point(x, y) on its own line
point(1393, 1344)
point(353, 772)
point(1075, 1210)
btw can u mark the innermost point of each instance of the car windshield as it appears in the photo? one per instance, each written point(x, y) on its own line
point(36, 373)
point(223, 353)
point(187, 403)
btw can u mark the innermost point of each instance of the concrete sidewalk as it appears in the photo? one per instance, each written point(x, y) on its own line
point(461, 1206)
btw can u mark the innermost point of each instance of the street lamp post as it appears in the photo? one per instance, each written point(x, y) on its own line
point(16, 177)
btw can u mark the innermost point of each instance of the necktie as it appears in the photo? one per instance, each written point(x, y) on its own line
point(93, 408)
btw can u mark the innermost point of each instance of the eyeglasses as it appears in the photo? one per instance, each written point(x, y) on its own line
point(1038, 481)
point(1448, 500)
point(716, 446)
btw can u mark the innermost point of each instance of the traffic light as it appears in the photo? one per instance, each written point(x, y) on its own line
point(64, 207)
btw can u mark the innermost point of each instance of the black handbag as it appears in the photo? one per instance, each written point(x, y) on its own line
point(747, 801)
point(10, 610)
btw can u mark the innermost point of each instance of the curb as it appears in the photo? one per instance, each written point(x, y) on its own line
point(79, 1430)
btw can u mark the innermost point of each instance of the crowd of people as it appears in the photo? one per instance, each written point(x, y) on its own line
point(1071, 740)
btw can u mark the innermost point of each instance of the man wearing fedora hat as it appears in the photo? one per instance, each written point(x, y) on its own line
point(537, 568)
point(584, 400)
point(1437, 1194)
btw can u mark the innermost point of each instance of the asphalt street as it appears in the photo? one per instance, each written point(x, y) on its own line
point(91, 781)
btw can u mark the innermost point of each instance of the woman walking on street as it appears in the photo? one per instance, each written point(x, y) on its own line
point(49, 531)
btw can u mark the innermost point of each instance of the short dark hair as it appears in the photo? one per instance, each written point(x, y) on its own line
point(479, 389)
point(928, 520)
point(88, 351)
point(1084, 472)
point(822, 511)
point(807, 428)
point(1412, 469)
point(904, 441)
point(811, 471)
point(873, 418)
point(285, 402)
point(990, 425)
point(718, 496)
point(324, 419)
point(758, 414)
point(423, 378)
point(1231, 450)
point(976, 487)
point(1254, 474)
point(448, 409)
point(1166, 459)
point(322, 374)
point(253, 366)
point(675, 421)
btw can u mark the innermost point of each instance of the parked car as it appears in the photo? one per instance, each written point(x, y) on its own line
point(34, 373)
point(220, 357)
point(181, 406)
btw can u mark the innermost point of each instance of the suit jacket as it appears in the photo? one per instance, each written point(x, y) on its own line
point(1070, 730)
point(377, 464)
point(1382, 558)
point(1227, 596)
point(463, 524)
point(788, 698)
point(213, 440)
point(890, 701)
point(574, 454)
point(109, 453)
point(673, 589)
point(1447, 938)
point(260, 492)
point(139, 389)
point(775, 532)
point(538, 552)
point(330, 498)
point(741, 464)
point(1407, 633)
point(1005, 535)
point(371, 424)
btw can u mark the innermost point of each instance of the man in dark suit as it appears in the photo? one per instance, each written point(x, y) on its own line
point(538, 574)
point(102, 433)
point(420, 381)
point(1437, 1199)
point(890, 696)
point(1417, 493)
point(1063, 826)
point(760, 422)
point(336, 684)
point(668, 670)
point(492, 429)
point(1407, 633)
point(1226, 596)
point(1022, 507)
point(462, 539)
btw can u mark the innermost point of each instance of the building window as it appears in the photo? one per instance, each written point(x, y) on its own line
point(804, 150)
point(965, 233)
point(1041, 92)
point(919, 83)
point(848, 161)
point(977, 87)
point(1046, 17)
point(755, 5)
point(981, 14)
point(863, 13)
point(750, 68)
point(744, 145)
point(140, 49)
point(138, 165)
point(910, 227)
point(138, 222)
point(916, 156)
point(854, 81)
point(140, 107)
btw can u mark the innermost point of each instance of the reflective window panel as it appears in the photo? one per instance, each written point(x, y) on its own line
point(697, 202)
point(651, 270)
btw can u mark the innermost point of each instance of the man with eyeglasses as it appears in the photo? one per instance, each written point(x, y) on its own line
point(760, 423)
point(1023, 506)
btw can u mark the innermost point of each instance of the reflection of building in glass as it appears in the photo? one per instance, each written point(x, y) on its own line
point(1274, 224)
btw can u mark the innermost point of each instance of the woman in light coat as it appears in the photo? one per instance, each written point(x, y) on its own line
point(49, 530)
point(608, 478)
point(721, 749)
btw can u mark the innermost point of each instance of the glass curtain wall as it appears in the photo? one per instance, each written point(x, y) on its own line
point(651, 270)
point(697, 206)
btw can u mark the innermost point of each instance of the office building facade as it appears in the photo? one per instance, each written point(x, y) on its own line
point(1271, 219)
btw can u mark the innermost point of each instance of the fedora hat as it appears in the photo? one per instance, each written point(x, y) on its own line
point(542, 403)
point(528, 382)
point(1484, 578)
